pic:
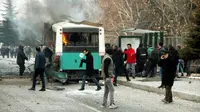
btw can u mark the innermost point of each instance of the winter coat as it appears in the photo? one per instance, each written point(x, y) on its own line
point(154, 57)
point(118, 62)
point(169, 70)
point(21, 57)
point(89, 64)
point(40, 60)
point(150, 50)
point(141, 55)
point(47, 52)
point(131, 56)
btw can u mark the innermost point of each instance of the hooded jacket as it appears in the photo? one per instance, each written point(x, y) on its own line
point(21, 57)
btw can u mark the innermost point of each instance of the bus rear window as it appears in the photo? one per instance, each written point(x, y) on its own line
point(80, 39)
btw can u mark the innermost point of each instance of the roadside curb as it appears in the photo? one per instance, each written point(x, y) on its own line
point(184, 96)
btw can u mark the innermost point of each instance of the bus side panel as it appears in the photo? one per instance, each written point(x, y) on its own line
point(71, 61)
point(59, 44)
point(101, 42)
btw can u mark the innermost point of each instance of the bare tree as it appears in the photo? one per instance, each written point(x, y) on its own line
point(172, 16)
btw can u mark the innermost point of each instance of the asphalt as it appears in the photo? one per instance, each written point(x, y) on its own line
point(184, 88)
point(15, 97)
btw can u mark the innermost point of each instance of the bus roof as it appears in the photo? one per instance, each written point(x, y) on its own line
point(74, 27)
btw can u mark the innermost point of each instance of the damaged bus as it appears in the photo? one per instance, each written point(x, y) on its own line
point(69, 39)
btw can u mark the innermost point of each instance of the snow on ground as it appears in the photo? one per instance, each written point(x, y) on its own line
point(8, 66)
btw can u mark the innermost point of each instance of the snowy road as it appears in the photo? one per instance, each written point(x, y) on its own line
point(8, 66)
point(15, 97)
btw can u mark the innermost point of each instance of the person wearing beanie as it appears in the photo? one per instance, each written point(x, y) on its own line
point(107, 74)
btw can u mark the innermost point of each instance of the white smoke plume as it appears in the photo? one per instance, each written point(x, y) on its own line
point(34, 13)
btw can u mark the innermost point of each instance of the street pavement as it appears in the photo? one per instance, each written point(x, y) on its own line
point(15, 97)
point(184, 88)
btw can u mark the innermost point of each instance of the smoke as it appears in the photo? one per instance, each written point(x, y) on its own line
point(34, 13)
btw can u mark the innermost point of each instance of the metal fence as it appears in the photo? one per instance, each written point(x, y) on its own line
point(174, 41)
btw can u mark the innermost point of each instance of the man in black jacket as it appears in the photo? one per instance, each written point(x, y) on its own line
point(169, 62)
point(141, 57)
point(89, 70)
point(21, 57)
point(39, 68)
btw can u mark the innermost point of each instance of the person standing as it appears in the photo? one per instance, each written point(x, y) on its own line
point(131, 60)
point(89, 70)
point(107, 74)
point(168, 62)
point(12, 51)
point(118, 63)
point(180, 65)
point(3, 51)
point(161, 50)
point(7, 51)
point(21, 57)
point(39, 69)
point(15, 51)
point(141, 57)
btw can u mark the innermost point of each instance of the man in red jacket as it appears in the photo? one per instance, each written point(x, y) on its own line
point(131, 60)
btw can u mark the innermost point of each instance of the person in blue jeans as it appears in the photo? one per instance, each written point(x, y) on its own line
point(180, 67)
point(161, 52)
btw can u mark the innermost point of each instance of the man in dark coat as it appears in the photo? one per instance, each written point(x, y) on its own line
point(141, 57)
point(48, 54)
point(21, 57)
point(89, 70)
point(168, 62)
point(39, 69)
point(150, 67)
point(118, 62)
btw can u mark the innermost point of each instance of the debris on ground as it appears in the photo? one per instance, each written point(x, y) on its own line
point(56, 88)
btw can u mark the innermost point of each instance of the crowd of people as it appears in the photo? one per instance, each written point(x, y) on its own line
point(144, 63)
point(11, 51)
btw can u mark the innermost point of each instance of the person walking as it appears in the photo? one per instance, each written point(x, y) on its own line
point(118, 63)
point(124, 67)
point(131, 60)
point(89, 70)
point(39, 69)
point(107, 74)
point(151, 63)
point(21, 57)
point(168, 62)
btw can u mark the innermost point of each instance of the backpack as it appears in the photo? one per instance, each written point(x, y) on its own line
point(143, 53)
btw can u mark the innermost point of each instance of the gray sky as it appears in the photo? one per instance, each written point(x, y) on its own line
point(19, 4)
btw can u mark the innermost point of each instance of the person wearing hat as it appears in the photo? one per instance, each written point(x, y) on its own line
point(107, 74)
